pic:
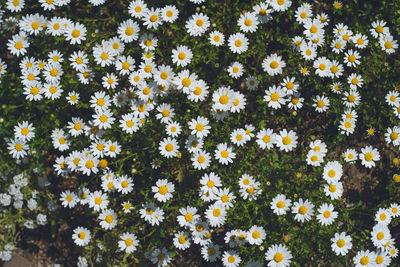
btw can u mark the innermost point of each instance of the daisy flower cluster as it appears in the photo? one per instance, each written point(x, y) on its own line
point(161, 144)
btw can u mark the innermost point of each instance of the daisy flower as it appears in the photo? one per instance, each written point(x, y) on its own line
point(332, 172)
point(231, 258)
point(151, 18)
point(286, 140)
point(378, 28)
point(129, 123)
point(216, 38)
point(355, 80)
point(182, 56)
point(200, 91)
point(326, 214)
point(216, 215)
point(352, 58)
point(256, 235)
point(238, 43)
point(224, 154)
point(163, 190)
point(280, 204)
point(88, 164)
point(201, 160)
point(235, 70)
point(76, 126)
point(388, 44)
point(169, 13)
point(383, 216)
point(239, 137)
point(98, 201)
point(347, 126)
point(161, 257)
point(395, 210)
point(273, 65)
point(181, 240)
point(368, 156)
point(197, 24)
point(334, 190)
point(338, 45)
point(341, 243)
point(308, 51)
point(200, 127)
point(296, 102)
point(124, 184)
point(108, 219)
point(210, 182)
point(137, 8)
point(128, 242)
point(210, 252)
point(223, 98)
point(24, 131)
point(188, 216)
point(392, 98)
point(18, 44)
point(125, 65)
point(314, 158)
point(103, 55)
point(304, 210)
point(173, 129)
point(252, 83)
point(169, 147)
point(248, 22)
point(363, 258)
point(81, 236)
point(266, 138)
point(380, 235)
point(275, 96)
point(75, 33)
point(69, 199)
point(103, 119)
point(278, 256)
point(303, 13)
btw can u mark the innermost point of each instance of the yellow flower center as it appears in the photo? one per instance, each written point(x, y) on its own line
point(238, 43)
point(256, 234)
point(163, 190)
point(278, 257)
point(169, 147)
point(286, 140)
point(98, 200)
point(18, 147)
point(368, 156)
point(231, 259)
point(103, 118)
point(313, 29)
point(274, 97)
point(332, 188)
point(186, 82)
point(331, 173)
point(280, 204)
point(216, 212)
point(82, 235)
point(248, 22)
point(303, 210)
point(153, 18)
point(364, 260)
point(224, 153)
point(76, 33)
point(388, 45)
point(169, 13)
point(109, 218)
point(274, 64)
point(340, 243)
point(199, 22)
point(165, 113)
point(223, 99)
point(181, 55)
point(201, 159)
point(210, 183)
point(327, 214)
point(128, 242)
point(182, 240)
